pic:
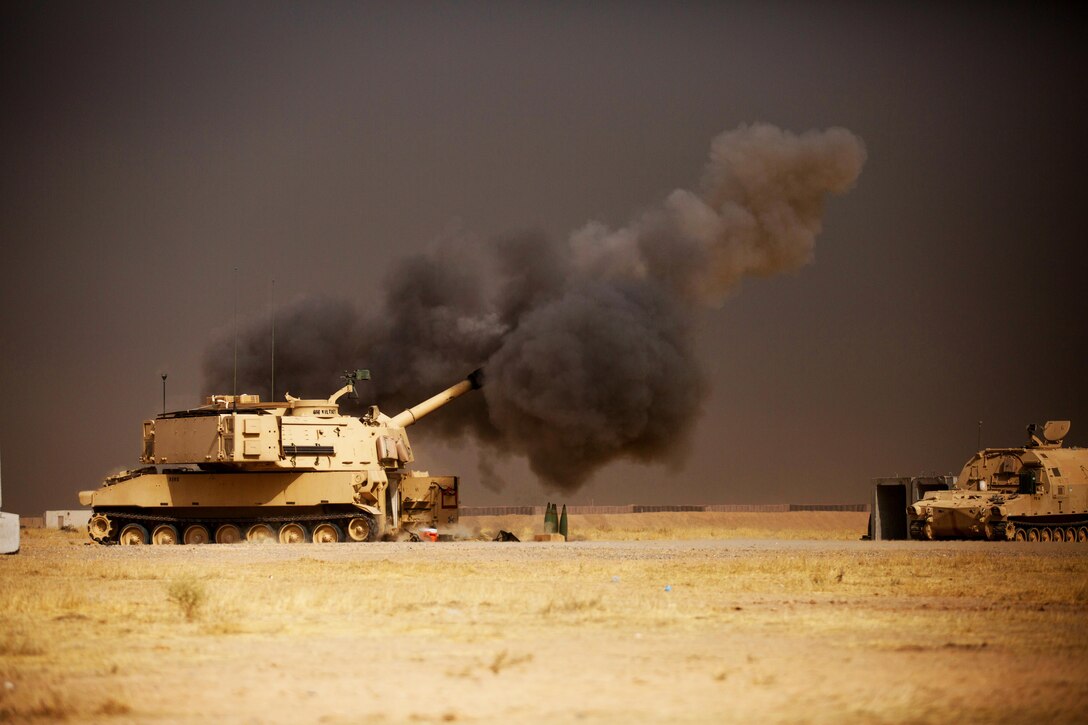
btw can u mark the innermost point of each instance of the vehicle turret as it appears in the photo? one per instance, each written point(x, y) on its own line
point(241, 432)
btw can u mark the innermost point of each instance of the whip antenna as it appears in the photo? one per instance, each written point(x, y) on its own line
point(272, 303)
point(234, 392)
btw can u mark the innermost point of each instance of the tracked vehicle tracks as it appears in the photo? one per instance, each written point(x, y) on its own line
point(130, 528)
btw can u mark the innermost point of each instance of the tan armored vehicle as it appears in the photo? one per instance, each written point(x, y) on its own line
point(296, 471)
point(1035, 493)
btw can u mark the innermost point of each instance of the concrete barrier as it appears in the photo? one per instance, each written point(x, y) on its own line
point(891, 497)
point(9, 533)
point(9, 530)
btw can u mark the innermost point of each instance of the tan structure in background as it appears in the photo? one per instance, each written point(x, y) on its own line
point(237, 468)
point(1035, 493)
point(70, 518)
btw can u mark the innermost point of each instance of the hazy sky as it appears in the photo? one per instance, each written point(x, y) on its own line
point(151, 148)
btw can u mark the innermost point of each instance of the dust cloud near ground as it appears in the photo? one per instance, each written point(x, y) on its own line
point(657, 630)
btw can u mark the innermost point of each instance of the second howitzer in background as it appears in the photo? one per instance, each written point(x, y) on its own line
point(1038, 492)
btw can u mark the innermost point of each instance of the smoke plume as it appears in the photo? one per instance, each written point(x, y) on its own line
point(586, 345)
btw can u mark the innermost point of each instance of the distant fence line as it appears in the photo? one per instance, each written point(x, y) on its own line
point(637, 509)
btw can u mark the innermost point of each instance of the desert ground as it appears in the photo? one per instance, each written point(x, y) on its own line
point(641, 618)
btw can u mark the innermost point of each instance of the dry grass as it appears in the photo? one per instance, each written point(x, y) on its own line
point(70, 613)
point(49, 705)
point(18, 643)
point(52, 703)
point(188, 594)
point(121, 590)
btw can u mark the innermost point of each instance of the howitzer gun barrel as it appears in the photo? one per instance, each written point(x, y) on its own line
point(413, 414)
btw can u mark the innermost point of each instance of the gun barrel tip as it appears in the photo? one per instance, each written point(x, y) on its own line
point(476, 378)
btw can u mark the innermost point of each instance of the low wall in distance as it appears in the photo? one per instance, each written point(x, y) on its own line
point(640, 509)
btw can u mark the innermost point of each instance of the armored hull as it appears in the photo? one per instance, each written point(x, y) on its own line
point(238, 469)
point(1035, 493)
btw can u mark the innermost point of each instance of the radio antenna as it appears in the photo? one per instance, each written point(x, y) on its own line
point(235, 391)
point(272, 303)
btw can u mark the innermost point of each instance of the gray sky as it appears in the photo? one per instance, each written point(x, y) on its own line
point(149, 149)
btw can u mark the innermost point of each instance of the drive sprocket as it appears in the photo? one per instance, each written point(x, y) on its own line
point(100, 528)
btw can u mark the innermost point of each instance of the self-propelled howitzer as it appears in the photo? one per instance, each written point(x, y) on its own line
point(296, 471)
point(1038, 492)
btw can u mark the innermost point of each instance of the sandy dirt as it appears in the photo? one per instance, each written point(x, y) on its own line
point(596, 631)
point(844, 525)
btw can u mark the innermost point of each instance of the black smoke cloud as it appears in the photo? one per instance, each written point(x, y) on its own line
point(587, 344)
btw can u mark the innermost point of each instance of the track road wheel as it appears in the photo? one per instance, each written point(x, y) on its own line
point(1058, 534)
point(196, 534)
point(1070, 535)
point(100, 528)
point(326, 533)
point(1033, 534)
point(260, 534)
point(228, 534)
point(1045, 534)
point(362, 528)
point(1082, 535)
point(1019, 535)
point(292, 533)
point(927, 531)
point(164, 535)
point(133, 535)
